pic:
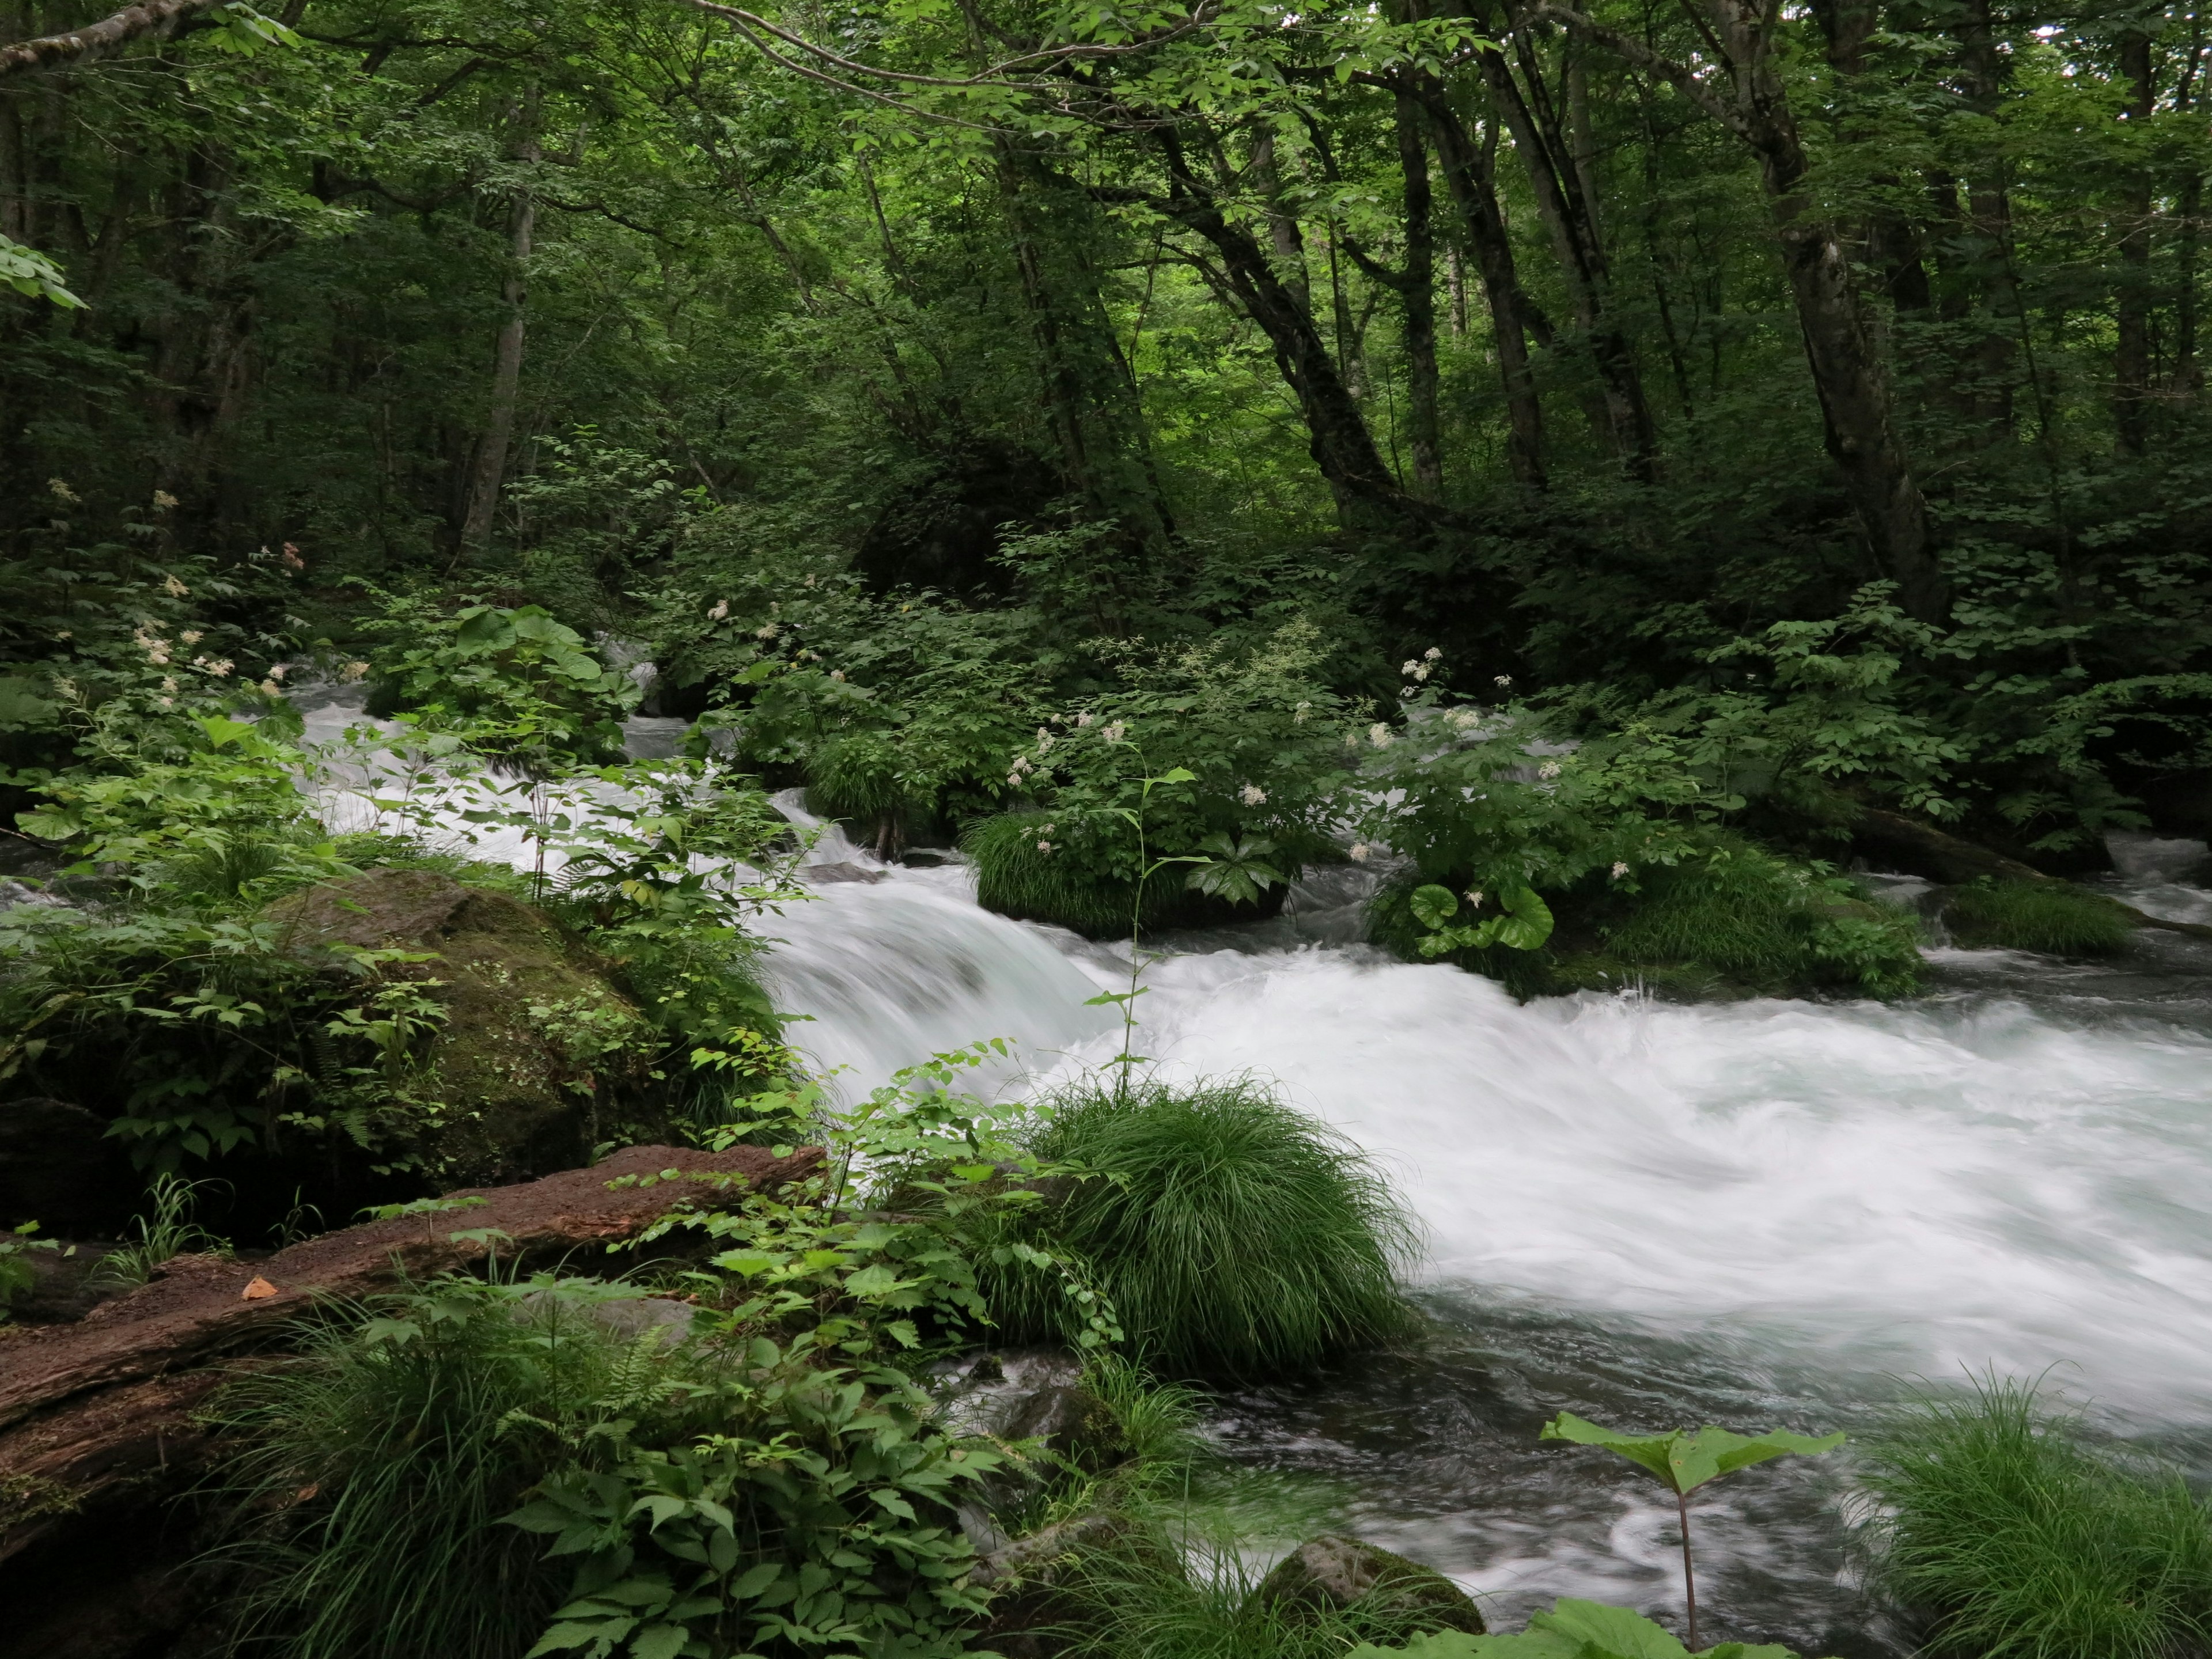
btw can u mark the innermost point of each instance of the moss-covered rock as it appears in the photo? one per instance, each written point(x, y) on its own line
point(1731, 919)
point(2055, 918)
point(535, 1041)
point(1337, 1574)
point(1022, 871)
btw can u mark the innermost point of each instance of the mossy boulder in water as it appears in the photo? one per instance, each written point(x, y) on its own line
point(1334, 1574)
point(535, 1045)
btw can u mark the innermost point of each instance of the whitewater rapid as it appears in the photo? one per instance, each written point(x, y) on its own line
point(1752, 1212)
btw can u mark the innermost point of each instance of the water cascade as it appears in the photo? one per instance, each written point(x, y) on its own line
point(1764, 1210)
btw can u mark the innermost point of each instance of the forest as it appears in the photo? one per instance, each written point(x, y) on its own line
point(1032, 827)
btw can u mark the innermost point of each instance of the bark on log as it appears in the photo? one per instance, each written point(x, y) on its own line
point(96, 1418)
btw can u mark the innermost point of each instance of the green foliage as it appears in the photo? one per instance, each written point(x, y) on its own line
point(1234, 1237)
point(167, 1231)
point(30, 272)
point(1158, 1593)
point(2019, 1538)
point(515, 683)
point(1763, 922)
point(2053, 917)
point(1572, 1630)
point(370, 1476)
point(1682, 1462)
point(16, 1274)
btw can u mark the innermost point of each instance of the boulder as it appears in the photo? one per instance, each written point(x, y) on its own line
point(59, 1168)
point(1029, 1395)
point(1332, 1573)
point(537, 1044)
point(1028, 1580)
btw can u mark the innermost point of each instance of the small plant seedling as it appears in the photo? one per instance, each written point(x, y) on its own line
point(425, 1207)
point(1684, 1461)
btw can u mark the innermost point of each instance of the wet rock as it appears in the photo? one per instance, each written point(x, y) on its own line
point(1028, 1580)
point(929, 858)
point(1029, 1394)
point(829, 875)
point(59, 1168)
point(1332, 1573)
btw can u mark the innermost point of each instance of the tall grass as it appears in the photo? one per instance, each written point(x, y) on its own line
point(1235, 1237)
point(2053, 917)
point(370, 1476)
point(1016, 877)
point(1173, 1597)
point(2018, 1539)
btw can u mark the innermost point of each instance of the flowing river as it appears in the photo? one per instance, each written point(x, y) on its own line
point(1752, 1213)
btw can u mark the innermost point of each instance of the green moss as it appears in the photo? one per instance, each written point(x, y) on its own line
point(1733, 919)
point(1234, 1235)
point(2020, 1540)
point(2054, 917)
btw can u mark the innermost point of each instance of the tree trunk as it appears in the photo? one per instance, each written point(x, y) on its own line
point(2131, 364)
point(1543, 142)
point(98, 1434)
point(1416, 291)
point(1472, 183)
point(489, 471)
point(1336, 435)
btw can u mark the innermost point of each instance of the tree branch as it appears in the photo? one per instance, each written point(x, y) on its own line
point(1684, 79)
point(111, 34)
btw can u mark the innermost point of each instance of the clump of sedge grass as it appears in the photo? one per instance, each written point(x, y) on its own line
point(1234, 1235)
point(2019, 1540)
point(371, 1474)
point(167, 1232)
point(2053, 917)
point(1017, 876)
point(1156, 1593)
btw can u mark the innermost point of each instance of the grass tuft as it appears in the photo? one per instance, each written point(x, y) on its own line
point(1014, 877)
point(1235, 1237)
point(2021, 1541)
point(2055, 918)
point(1193, 1598)
point(371, 1475)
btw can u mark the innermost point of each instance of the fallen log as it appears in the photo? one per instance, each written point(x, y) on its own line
point(97, 1427)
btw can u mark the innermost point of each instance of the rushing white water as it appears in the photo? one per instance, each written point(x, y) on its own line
point(1663, 1208)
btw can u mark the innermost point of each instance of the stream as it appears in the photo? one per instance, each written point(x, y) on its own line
point(1752, 1213)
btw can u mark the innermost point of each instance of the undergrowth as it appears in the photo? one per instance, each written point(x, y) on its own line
point(1234, 1235)
point(2019, 1539)
point(2052, 917)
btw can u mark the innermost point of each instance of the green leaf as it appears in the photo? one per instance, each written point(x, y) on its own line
point(1684, 1461)
point(1527, 923)
point(1614, 1632)
point(660, 1642)
point(1434, 906)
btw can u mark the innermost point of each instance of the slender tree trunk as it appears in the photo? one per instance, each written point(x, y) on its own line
point(1416, 289)
point(1859, 417)
point(489, 471)
point(2131, 354)
point(1989, 217)
point(1336, 435)
point(1555, 183)
point(1471, 180)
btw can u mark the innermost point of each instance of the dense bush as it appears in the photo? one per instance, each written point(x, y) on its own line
point(2019, 1539)
point(1234, 1237)
point(2053, 917)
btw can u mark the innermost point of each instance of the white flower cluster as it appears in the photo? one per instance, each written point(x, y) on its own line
point(1619, 870)
point(1550, 769)
point(1418, 668)
point(1252, 794)
point(1115, 733)
point(721, 609)
point(1379, 735)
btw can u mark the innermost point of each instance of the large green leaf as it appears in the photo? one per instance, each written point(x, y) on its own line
point(1614, 1632)
point(1685, 1461)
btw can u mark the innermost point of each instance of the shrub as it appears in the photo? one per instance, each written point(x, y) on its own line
point(1233, 1235)
point(1020, 871)
point(2053, 917)
point(2021, 1540)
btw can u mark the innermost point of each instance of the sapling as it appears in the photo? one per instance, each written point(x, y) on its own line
point(1684, 1461)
